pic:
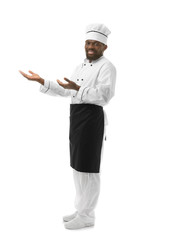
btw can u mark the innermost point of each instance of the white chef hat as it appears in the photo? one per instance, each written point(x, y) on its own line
point(98, 32)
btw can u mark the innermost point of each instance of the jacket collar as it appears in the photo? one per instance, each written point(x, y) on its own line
point(94, 61)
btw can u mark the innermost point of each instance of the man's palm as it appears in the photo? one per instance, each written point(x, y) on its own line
point(33, 76)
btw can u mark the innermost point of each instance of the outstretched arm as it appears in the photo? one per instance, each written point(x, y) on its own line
point(47, 87)
point(33, 77)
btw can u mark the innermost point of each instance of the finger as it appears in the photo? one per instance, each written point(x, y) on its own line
point(31, 72)
point(24, 74)
point(67, 80)
point(60, 83)
point(21, 72)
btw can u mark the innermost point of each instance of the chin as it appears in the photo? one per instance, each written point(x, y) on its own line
point(91, 58)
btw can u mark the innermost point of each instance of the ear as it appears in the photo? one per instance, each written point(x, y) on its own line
point(105, 47)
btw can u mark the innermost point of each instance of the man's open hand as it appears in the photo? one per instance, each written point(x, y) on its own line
point(33, 77)
point(69, 84)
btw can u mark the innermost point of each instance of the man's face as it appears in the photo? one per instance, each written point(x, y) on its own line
point(94, 49)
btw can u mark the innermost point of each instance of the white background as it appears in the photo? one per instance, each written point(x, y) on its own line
point(139, 172)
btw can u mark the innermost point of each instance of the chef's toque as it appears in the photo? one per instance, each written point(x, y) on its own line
point(98, 32)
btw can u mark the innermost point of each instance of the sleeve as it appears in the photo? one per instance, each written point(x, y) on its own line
point(54, 89)
point(104, 89)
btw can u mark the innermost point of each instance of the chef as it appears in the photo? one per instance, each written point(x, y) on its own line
point(91, 87)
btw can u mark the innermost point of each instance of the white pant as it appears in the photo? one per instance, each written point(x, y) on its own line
point(87, 192)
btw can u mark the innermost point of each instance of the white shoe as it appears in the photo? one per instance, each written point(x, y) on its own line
point(69, 217)
point(78, 223)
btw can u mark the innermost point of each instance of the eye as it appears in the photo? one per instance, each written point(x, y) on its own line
point(97, 44)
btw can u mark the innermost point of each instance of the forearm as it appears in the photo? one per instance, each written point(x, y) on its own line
point(53, 89)
point(41, 81)
point(97, 95)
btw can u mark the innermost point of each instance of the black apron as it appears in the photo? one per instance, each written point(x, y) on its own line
point(86, 137)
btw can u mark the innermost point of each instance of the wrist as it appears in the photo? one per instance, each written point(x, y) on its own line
point(77, 88)
point(41, 81)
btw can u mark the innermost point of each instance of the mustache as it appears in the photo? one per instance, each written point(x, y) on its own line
point(91, 50)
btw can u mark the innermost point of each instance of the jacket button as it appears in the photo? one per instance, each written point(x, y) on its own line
point(77, 79)
point(82, 79)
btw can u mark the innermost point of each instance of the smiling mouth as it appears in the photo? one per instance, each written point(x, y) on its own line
point(90, 52)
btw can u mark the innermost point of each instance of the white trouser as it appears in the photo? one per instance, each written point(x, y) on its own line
point(87, 187)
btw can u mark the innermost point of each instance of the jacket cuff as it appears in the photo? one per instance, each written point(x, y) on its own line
point(44, 88)
point(80, 93)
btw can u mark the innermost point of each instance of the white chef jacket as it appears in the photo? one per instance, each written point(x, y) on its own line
point(96, 80)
